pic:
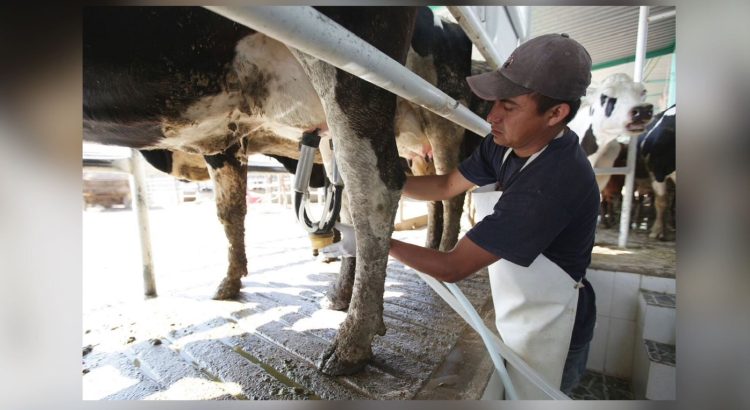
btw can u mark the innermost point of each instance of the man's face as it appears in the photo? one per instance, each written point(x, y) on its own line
point(515, 121)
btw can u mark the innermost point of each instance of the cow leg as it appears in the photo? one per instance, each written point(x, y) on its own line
point(434, 224)
point(660, 205)
point(340, 293)
point(361, 118)
point(230, 180)
point(373, 180)
point(446, 140)
point(373, 217)
point(423, 166)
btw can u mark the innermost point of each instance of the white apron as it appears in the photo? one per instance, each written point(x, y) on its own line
point(535, 307)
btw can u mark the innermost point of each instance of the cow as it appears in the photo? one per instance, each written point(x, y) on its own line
point(657, 149)
point(193, 84)
point(655, 166)
point(616, 107)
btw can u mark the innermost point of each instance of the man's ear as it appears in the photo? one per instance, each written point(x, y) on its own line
point(557, 114)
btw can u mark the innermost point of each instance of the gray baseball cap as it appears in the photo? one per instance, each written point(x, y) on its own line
point(553, 65)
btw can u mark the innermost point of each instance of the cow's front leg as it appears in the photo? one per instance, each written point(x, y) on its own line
point(230, 183)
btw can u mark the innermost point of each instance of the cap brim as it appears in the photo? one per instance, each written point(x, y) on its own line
point(494, 86)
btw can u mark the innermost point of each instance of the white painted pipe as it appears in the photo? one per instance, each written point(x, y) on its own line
point(140, 206)
point(471, 25)
point(627, 201)
point(307, 30)
point(640, 46)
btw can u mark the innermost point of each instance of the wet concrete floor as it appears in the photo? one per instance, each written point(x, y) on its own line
point(184, 345)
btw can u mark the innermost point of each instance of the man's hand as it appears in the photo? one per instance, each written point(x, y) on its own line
point(346, 247)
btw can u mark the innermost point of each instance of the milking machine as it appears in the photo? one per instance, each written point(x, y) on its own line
point(321, 232)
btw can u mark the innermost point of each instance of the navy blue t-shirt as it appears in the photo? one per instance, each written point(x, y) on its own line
point(549, 207)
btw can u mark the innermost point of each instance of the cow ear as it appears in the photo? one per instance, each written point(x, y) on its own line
point(590, 97)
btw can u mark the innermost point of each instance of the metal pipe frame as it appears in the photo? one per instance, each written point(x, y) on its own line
point(627, 201)
point(469, 21)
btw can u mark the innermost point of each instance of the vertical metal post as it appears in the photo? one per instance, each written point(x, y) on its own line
point(140, 206)
point(627, 200)
point(672, 97)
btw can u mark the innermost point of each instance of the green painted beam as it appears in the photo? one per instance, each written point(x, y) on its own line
point(651, 54)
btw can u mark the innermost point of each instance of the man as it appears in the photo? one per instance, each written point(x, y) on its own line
point(538, 237)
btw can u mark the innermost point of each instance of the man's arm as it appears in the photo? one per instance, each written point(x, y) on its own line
point(465, 259)
point(436, 187)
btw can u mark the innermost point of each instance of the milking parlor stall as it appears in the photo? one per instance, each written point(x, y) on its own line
point(165, 319)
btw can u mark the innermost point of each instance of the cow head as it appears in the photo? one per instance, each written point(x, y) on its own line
point(617, 107)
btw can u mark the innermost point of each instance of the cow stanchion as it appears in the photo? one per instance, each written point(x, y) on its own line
point(320, 232)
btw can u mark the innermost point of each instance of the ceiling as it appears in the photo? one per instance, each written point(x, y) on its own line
point(609, 33)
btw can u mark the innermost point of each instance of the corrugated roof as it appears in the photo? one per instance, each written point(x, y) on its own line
point(609, 33)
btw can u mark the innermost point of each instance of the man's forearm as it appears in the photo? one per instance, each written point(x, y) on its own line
point(435, 187)
point(432, 262)
point(424, 187)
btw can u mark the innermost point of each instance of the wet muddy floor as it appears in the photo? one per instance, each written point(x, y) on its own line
point(265, 345)
point(184, 345)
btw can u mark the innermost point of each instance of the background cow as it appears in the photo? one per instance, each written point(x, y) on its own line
point(612, 109)
point(656, 147)
point(187, 81)
point(655, 166)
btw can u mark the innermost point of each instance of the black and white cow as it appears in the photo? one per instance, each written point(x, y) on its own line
point(657, 148)
point(616, 107)
point(188, 81)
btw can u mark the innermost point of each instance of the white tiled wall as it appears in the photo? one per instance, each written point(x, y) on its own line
point(661, 383)
point(603, 284)
point(618, 359)
point(659, 324)
point(615, 333)
point(625, 295)
point(598, 344)
point(654, 284)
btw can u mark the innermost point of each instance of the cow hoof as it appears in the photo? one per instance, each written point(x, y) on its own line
point(229, 289)
point(380, 330)
point(332, 364)
point(330, 259)
point(337, 304)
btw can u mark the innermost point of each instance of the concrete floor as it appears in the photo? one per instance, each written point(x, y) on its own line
point(184, 345)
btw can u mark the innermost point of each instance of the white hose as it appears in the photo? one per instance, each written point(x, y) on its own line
point(482, 330)
point(492, 342)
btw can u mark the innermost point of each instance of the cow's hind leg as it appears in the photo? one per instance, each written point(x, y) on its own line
point(446, 140)
point(361, 118)
point(230, 181)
